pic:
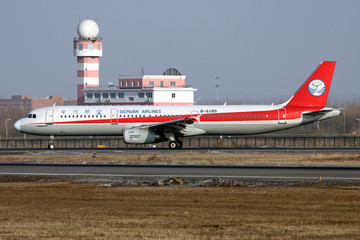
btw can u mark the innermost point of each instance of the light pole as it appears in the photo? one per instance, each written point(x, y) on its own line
point(6, 128)
point(217, 85)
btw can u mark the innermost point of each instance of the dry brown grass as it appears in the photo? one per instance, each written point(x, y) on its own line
point(89, 211)
point(206, 157)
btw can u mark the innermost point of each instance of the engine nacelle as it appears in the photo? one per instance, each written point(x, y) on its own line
point(141, 135)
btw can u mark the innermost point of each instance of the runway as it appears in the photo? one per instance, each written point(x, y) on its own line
point(253, 173)
point(4, 151)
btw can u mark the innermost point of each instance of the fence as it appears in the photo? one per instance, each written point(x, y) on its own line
point(351, 141)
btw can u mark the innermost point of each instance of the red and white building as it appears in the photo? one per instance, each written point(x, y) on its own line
point(166, 89)
point(87, 48)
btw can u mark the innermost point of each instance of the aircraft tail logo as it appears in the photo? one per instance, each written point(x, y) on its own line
point(315, 90)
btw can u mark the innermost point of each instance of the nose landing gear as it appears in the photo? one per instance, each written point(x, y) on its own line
point(51, 144)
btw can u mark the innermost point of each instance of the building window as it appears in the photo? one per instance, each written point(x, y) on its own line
point(89, 95)
point(133, 83)
point(121, 83)
point(151, 83)
point(162, 84)
point(173, 83)
point(120, 95)
point(173, 95)
point(127, 84)
point(105, 95)
point(149, 95)
point(97, 95)
point(80, 47)
point(91, 46)
point(99, 47)
point(131, 99)
point(112, 95)
point(140, 95)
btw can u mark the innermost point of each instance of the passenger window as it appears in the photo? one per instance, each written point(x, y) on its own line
point(34, 115)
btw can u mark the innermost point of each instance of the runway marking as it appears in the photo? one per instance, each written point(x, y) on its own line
point(185, 176)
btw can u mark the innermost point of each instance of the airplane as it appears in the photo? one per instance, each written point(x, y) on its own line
point(153, 124)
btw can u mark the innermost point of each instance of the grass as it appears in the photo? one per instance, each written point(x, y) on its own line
point(61, 210)
point(90, 211)
point(206, 157)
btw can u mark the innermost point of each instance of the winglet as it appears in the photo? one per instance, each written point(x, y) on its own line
point(315, 90)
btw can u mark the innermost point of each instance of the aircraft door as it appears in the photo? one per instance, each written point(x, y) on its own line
point(282, 116)
point(114, 117)
point(49, 117)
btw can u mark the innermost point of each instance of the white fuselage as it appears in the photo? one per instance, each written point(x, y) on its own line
point(113, 120)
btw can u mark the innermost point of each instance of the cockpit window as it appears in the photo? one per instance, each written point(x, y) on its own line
point(30, 116)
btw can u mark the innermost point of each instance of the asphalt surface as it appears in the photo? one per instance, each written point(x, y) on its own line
point(254, 173)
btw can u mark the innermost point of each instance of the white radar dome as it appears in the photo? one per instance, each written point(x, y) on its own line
point(88, 29)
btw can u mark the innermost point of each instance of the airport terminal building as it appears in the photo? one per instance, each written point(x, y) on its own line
point(166, 89)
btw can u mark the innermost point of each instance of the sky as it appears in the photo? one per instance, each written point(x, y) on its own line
point(262, 50)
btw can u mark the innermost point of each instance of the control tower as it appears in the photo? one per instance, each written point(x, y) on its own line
point(87, 48)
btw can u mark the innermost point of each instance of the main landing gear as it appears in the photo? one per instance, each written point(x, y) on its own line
point(51, 144)
point(175, 144)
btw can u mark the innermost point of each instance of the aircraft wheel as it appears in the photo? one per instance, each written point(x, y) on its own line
point(51, 146)
point(174, 145)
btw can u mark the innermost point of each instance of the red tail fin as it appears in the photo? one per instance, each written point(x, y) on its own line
point(315, 90)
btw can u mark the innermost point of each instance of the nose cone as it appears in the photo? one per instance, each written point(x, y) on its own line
point(17, 125)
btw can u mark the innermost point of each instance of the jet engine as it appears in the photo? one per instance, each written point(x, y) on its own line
point(142, 135)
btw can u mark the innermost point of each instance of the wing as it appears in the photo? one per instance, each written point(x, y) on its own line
point(178, 127)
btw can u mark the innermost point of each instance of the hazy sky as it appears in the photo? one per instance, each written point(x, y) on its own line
point(263, 50)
